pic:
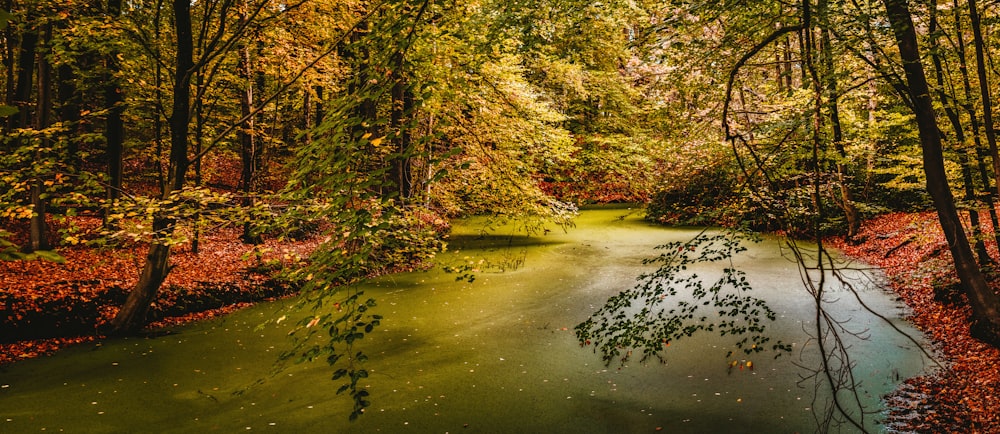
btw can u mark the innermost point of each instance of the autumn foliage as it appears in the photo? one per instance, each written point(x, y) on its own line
point(45, 305)
point(964, 396)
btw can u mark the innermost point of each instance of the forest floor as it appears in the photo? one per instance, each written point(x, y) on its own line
point(65, 303)
point(45, 306)
point(912, 251)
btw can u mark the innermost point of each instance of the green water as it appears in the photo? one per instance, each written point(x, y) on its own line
point(497, 355)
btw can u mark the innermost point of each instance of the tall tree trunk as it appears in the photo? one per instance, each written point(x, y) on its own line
point(307, 118)
point(985, 303)
point(9, 53)
point(25, 76)
point(984, 86)
point(247, 134)
point(787, 64)
point(956, 123)
point(158, 91)
point(38, 229)
point(320, 109)
point(367, 107)
point(114, 128)
point(963, 68)
point(199, 135)
point(851, 213)
point(69, 111)
point(132, 315)
point(402, 105)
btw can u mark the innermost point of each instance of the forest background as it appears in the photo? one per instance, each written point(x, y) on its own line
point(165, 157)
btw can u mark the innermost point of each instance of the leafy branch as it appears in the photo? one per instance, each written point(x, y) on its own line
point(674, 302)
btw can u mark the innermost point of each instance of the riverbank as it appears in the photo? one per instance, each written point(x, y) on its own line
point(912, 251)
point(46, 306)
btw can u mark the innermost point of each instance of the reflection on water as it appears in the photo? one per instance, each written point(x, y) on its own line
point(497, 355)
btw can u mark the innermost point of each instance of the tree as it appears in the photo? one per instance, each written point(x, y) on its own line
point(954, 118)
point(133, 313)
point(250, 142)
point(23, 120)
point(985, 303)
point(114, 129)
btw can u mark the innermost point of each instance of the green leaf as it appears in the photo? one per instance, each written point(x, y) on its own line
point(6, 110)
point(49, 255)
point(5, 18)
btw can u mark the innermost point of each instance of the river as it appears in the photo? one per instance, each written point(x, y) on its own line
point(495, 355)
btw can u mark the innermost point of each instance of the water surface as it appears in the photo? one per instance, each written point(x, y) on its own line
point(497, 355)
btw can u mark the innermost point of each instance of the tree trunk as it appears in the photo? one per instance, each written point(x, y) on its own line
point(984, 86)
point(158, 91)
point(132, 315)
point(984, 302)
point(367, 107)
point(38, 229)
point(963, 68)
point(402, 105)
point(307, 120)
point(320, 109)
point(851, 214)
point(9, 53)
point(114, 128)
point(69, 111)
point(956, 123)
point(199, 135)
point(25, 75)
point(249, 155)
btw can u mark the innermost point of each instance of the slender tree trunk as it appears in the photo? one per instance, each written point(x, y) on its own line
point(25, 76)
point(133, 314)
point(367, 108)
point(989, 191)
point(38, 229)
point(249, 155)
point(158, 90)
point(851, 213)
point(320, 110)
point(984, 86)
point(9, 53)
point(69, 111)
point(402, 105)
point(985, 303)
point(788, 65)
point(307, 119)
point(779, 74)
point(114, 128)
point(950, 111)
point(199, 135)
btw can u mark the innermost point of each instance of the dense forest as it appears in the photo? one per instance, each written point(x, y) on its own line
point(319, 142)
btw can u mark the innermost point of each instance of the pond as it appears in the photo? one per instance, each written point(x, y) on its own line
point(495, 355)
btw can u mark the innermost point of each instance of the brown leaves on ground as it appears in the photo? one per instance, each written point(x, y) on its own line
point(90, 284)
point(964, 397)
